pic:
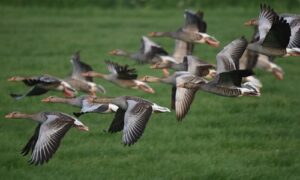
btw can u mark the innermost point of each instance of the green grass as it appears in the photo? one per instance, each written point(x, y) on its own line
point(221, 138)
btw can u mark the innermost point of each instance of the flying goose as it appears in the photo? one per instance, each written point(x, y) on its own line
point(41, 85)
point(183, 48)
point(52, 127)
point(83, 103)
point(121, 76)
point(190, 32)
point(131, 117)
point(229, 78)
point(79, 82)
point(181, 98)
point(293, 47)
point(148, 53)
point(274, 33)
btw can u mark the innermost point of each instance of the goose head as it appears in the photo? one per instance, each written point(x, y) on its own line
point(118, 52)
point(15, 115)
point(251, 22)
point(67, 89)
point(80, 126)
point(15, 78)
point(208, 39)
point(161, 65)
point(149, 79)
point(89, 74)
point(53, 99)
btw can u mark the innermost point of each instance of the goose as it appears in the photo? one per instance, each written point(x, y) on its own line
point(183, 48)
point(274, 33)
point(41, 85)
point(190, 63)
point(131, 117)
point(189, 33)
point(293, 47)
point(229, 78)
point(148, 53)
point(121, 76)
point(181, 98)
point(52, 127)
point(79, 82)
point(83, 103)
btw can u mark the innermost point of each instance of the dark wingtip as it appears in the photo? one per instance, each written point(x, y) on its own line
point(77, 114)
point(16, 96)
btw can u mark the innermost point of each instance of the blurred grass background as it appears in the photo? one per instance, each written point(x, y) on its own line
point(221, 138)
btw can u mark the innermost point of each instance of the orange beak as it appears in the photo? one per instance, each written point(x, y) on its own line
point(151, 34)
point(83, 128)
point(112, 52)
point(46, 100)
point(8, 116)
point(212, 42)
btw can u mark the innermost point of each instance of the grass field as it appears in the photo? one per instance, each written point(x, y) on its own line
point(221, 138)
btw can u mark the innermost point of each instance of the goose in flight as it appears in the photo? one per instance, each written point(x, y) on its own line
point(122, 76)
point(52, 127)
point(42, 84)
point(79, 82)
point(83, 103)
point(132, 116)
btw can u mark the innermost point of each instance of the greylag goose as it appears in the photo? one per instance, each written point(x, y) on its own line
point(121, 76)
point(41, 85)
point(52, 127)
point(79, 82)
point(131, 117)
point(228, 79)
point(83, 103)
point(147, 53)
point(181, 98)
point(274, 33)
point(190, 32)
point(183, 48)
point(293, 47)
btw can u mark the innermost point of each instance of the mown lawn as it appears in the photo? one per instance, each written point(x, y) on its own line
point(221, 138)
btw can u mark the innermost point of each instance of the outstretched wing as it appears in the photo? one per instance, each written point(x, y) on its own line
point(228, 58)
point(34, 91)
point(232, 78)
point(184, 97)
point(266, 19)
point(135, 120)
point(117, 123)
point(295, 35)
point(50, 135)
point(122, 72)
point(279, 34)
point(79, 67)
